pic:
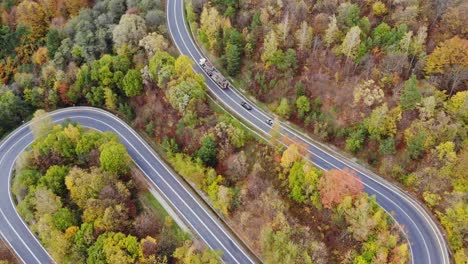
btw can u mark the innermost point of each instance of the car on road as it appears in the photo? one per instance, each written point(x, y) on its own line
point(246, 106)
point(269, 122)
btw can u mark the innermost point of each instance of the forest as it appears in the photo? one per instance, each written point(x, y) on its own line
point(77, 190)
point(385, 81)
point(117, 55)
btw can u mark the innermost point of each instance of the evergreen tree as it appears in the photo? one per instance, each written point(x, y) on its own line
point(410, 95)
point(208, 152)
point(233, 59)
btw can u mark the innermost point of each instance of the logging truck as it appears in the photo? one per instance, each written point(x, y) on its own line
point(213, 73)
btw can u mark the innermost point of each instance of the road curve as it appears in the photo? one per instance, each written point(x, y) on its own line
point(189, 208)
point(427, 244)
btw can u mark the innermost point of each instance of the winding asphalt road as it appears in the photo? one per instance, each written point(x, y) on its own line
point(427, 244)
point(189, 208)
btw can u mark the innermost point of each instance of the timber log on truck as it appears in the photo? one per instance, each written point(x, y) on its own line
point(213, 73)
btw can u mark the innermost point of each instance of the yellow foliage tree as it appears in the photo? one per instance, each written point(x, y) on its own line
point(450, 53)
point(32, 15)
point(40, 56)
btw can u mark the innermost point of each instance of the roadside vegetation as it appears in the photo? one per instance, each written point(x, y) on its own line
point(383, 80)
point(76, 189)
point(6, 256)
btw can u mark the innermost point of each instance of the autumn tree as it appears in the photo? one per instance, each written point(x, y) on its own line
point(368, 92)
point(382, 122)
point(40, 57)
point(187, 254)
point(450, 60)
point(363, 216)
point(41, 124)
point(74, 6)
point(332, 33)
point(32, 14)
point(211, 24)
point(350, 42)
point(379, 8)
point(292, 154)
point(304, 36)
point(130, 30)
point(84, 185)
point(237, 166)
point(270, 46)
point(46, 202)
point(335, 185)
point(154, 42)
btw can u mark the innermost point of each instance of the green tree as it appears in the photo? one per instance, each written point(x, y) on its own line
point(53, 41)
point(348, 15)
point(233, 59)
point(113, 247)
point(415, 145)
point(114, 158)
point(132, 83)
point(284, 109)
point(161, 67)
point(356, 139)
point(387, 146)
point(303, 105)
point(23, 182)
point(382, 122)
point(410, 96)
point(208, 152)
point(12, 111)
point(54, 179)
point(84, 238)
point(63, 219)
point(303, 180)
point(9, 39)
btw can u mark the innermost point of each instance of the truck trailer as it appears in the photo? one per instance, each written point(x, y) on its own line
point(213, 73)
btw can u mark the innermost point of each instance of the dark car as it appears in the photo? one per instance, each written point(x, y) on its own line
point(269, 122)
point(246, 106)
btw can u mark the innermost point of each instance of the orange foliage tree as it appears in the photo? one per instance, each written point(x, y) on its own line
point(335, 185)
point(73, 6)
point(40, 56)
